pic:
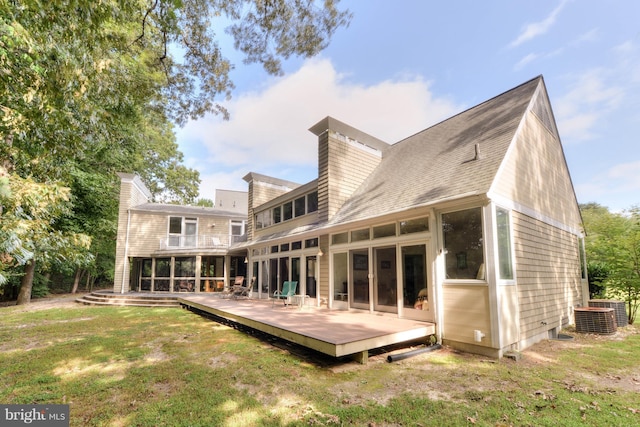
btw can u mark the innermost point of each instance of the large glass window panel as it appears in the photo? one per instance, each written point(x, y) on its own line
point(340, 277)
point(299, 206)
point(175, 225)
point(175, 231)
point(336, 239)
point(273, 275)
point(284, 272)
point(287, 211)
point(211, 273)
point(464, 244)
point(145, 274)
point(295, 272)
point(414, 277)
point(311, 243)
point(360, 274)
point(264, 279)
point(163, 267)
point(190, 231)
point(254, 279)
point(237, 228)
point(162, 274)
point(504, 244)
point(386, 298)
point(185, 267)
point(384, 231)
point(277, 214)
point(146, 267)
point(312, 202)
point(359, 235)
point(212, 266)
point(311, 276)
point(417, 225)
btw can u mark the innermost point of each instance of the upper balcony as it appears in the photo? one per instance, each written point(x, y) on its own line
point(203, 241)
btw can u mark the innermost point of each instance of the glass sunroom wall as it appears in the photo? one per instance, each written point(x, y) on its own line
point(464, 244)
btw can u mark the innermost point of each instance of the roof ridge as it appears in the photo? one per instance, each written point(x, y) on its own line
point(538, 77)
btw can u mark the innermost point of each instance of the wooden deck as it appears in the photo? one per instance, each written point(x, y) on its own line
point(333, 332)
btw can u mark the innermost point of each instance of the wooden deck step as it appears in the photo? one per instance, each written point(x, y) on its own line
point(132, 300)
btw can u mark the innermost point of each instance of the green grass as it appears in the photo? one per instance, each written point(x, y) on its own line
point(169, 367)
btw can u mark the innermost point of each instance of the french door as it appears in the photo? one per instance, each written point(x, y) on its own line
point(359, 282)
point(385, 275)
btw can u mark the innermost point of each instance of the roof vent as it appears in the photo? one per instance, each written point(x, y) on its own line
point(476, 155)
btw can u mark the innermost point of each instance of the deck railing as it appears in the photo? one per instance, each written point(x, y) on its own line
point(203, 241)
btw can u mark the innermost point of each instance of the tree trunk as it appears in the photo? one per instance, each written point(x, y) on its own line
point(89, 283)
point(26, 284)
point(76, 280)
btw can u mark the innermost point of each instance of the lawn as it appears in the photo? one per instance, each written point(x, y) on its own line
point(169, 367)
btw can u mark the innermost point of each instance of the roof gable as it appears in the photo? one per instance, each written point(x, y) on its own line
point(459, 156)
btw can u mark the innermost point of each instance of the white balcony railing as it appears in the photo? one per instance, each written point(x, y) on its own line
point(205, 241)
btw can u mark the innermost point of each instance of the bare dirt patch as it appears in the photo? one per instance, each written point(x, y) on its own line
point(48, 302)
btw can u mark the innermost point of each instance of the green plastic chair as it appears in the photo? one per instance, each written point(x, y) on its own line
point(288, 290)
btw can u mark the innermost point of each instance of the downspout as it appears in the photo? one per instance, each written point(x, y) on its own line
point(438, 247)
point(126, 250)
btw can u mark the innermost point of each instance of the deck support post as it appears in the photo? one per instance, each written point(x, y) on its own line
point(361, 357)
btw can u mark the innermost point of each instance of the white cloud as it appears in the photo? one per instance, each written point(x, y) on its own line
point(588, 37)
point(589, 100)
point(627, 176)
point(536, 29)
point(617, 187)
point(268, 129)
point(526, 60)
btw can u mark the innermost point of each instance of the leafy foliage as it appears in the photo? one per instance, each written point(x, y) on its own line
point(90, 88)
point(613, 244)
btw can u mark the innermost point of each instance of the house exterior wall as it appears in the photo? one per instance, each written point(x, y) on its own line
point(534, 174)
point(549, 279)
point(508, 316)
point(259, 194)
point(145, 232)
point(148, 229)
point(342, 167)
point(132, 193)
point(466, 308)
point(141, 231)
point(534, 183)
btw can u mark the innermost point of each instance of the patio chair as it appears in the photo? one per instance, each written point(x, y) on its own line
point(288, 290)
point(222, 291)
point(240, 289)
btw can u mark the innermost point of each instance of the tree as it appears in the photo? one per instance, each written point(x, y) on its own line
point(30, 210)
point(89, 88)
point(613, 242)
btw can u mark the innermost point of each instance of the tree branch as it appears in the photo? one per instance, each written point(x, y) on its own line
point(144, 21)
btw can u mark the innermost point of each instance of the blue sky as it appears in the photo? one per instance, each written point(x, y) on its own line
point(405, 65)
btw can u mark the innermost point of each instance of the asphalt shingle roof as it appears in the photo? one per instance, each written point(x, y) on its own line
point(437, 163)
point(186, 210)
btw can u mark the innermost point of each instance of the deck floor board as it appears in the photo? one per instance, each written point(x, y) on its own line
point(334, 332)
